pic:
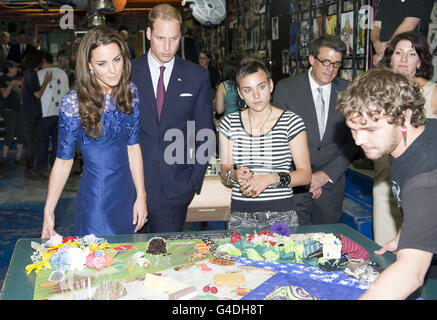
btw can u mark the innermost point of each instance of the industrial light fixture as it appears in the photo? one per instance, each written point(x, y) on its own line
point(97, 10)
point(208, 12)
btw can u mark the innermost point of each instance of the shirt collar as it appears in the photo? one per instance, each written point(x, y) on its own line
point(314, 85)
point(155, 64)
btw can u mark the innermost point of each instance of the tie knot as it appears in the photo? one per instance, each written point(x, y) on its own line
point(320, 89)
point(162, 68)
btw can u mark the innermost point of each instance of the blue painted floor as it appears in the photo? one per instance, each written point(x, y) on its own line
point(22, 204)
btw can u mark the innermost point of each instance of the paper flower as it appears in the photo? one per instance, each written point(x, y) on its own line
point(54, 240)
point(280, 228)
point(77, 258)
point(69, 253)
point(98, 260)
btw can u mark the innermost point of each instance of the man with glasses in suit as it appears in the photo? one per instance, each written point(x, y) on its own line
point(313, 96)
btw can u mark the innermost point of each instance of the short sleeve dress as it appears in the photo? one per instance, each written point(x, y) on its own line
point(106, 193)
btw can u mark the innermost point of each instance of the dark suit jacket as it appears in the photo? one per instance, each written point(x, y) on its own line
point(131, 50)
point(188, 98)
point(14, 52)
point(336, 150)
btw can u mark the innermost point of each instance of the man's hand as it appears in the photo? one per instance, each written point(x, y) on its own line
point(318, 180)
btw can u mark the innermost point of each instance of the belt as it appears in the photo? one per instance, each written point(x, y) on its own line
point(258, 216)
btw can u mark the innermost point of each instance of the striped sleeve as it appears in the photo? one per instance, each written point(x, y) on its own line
point(295, 125)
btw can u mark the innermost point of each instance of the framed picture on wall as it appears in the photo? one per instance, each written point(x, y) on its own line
point(275, 28)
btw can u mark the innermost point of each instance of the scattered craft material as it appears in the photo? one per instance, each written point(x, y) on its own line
point(289, 293)
point(169, 289)
point(157, 245)
point(231, 279)
point(70, 253)
point(353, 249)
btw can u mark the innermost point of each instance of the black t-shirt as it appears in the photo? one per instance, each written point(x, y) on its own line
point(392, 12)
point(13, 100)
point(31, 109)
point(414, 184)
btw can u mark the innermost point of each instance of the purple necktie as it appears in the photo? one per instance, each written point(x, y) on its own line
point(160, 92)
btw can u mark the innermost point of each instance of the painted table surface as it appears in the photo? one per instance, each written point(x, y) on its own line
point(20, 286)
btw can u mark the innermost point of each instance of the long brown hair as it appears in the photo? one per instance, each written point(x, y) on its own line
point(89, 92)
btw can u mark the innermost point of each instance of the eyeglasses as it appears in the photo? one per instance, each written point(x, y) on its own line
point(327, 63)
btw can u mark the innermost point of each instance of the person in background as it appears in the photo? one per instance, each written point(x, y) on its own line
point(4, 47)
point(10, 86)
point(227, 99)
point(72, 49)
point(313, 97)
point(263, 154)
point(408, 54)
point(50, 103)
point(64, 64)
point(384, 111)
point(31, 112)
point(394, 17)
point(175, 95)
point(20, 49)
point(124, 33)
point(188, 47)
point(101, 116)
point(205, 59)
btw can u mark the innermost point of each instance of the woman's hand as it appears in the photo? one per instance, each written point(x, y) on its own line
point(48, 227)
point(257, 183)
point(242, 174)
point(140, 214)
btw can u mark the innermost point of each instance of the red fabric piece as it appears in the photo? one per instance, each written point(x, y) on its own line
point(124, 247)
point(235, 237)
point(353, 249)
point(71, 239)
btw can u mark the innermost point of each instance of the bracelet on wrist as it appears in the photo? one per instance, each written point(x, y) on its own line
point(278, 180)
point(229, 180)
point(283, 180)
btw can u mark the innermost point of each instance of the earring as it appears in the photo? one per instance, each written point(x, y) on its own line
point(404, 134)
point(91, 72)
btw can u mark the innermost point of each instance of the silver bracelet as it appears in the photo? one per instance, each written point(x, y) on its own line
point(278, 180)
point(229, 180)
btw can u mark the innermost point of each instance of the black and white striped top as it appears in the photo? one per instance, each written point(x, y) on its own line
point(266, 153)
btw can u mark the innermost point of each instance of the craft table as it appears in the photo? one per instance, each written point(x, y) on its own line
point(20, 286)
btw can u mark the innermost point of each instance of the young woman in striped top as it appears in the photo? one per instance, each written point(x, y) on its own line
point(263, 152)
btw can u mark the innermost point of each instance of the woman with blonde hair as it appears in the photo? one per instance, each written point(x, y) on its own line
point(101, 116)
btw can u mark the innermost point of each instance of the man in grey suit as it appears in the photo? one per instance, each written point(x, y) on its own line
point(313, 96)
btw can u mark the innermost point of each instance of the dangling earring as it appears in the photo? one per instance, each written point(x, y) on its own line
point(404, 134)
point(92, 72)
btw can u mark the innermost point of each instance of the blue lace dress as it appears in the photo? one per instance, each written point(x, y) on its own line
point(106, 193)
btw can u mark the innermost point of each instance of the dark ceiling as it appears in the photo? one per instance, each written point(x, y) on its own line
point(45, 9)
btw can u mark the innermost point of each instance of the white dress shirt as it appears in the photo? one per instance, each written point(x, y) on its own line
point(326, 89)
point(155, 71)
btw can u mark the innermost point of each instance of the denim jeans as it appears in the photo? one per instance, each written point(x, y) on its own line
point(264, 219)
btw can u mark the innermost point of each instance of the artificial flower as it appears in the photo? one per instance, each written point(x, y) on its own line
point(280, 228)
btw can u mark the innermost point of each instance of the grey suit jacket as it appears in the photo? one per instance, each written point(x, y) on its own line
point(336, 150)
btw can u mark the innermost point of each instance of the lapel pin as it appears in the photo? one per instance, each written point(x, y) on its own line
point(179, 79)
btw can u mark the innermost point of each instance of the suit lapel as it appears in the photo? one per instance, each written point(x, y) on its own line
point(147, 93)
point(308, 101)
point(332, 105)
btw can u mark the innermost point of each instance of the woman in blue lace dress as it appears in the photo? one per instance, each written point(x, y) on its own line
point(101, 117)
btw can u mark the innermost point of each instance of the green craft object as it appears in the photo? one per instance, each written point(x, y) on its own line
point(234, 252)
point(252, 254)
point(270, 255)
